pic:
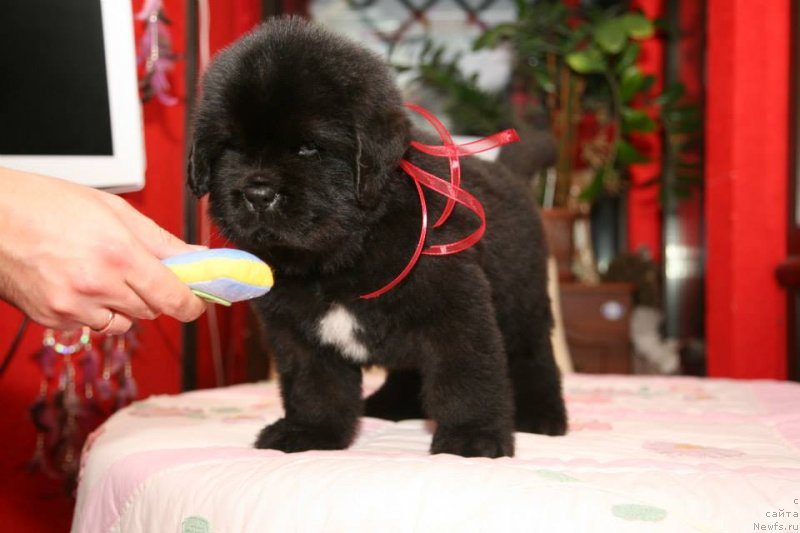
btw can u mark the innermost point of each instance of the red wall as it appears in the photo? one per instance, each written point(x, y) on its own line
point(746, 186)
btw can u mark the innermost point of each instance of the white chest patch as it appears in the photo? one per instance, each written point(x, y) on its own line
point(338, 328)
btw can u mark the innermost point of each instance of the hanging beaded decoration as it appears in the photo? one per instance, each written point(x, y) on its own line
point(155, 53)
point(80, 387)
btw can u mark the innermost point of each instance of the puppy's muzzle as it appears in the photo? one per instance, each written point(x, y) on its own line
point(260, 197)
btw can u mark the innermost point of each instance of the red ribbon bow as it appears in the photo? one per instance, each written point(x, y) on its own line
point(451, 190)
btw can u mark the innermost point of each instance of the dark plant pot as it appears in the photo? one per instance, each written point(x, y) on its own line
point(606, 222)
point(558, 229)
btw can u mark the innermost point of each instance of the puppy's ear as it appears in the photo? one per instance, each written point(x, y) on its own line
point(198, 171)
point(377, 155)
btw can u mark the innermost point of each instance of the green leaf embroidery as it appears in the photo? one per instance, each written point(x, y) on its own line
point(637, 512)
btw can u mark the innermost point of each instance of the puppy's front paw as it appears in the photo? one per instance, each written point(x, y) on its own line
point(473, 442)
point(289, 437)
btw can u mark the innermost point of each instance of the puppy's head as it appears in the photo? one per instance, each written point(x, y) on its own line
point(296, 133)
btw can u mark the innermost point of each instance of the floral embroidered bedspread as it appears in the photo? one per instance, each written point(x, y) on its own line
point(643, 454)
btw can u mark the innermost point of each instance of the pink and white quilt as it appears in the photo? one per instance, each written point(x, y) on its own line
point(643, 454)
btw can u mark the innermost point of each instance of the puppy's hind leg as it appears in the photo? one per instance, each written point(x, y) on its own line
point(538, 402)
point(398, 398)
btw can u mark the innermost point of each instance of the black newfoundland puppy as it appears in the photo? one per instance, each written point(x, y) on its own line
point(298, 137)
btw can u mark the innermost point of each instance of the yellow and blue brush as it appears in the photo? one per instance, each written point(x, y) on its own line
point(222, 275)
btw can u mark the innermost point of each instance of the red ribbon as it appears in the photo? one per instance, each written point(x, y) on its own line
point(450, 189)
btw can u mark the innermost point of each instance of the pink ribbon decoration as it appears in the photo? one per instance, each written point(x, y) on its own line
point(450, 189)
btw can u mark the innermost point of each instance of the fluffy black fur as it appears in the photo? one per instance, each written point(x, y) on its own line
point(298, 136)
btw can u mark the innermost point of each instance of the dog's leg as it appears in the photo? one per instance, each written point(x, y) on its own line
point(538, 402)
point(471, 405)
point(321, 394)
point(466, 390)
point(398, 398)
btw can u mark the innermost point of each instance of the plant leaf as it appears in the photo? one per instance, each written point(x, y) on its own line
point(638, 26)
point(629, 56)
point(636, 120)
point(587, 61)
point(495, 34)
point(611, 35)
point(631, 82)
point(544, 80)
point(671, 94)
point(574, 37)
point(522, 8)
point(595, 187)
point(649, 80)
point(627, 154)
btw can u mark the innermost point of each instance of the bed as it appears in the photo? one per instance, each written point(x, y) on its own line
point(643, 454)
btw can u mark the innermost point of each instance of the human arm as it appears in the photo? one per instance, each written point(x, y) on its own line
point(70, 255)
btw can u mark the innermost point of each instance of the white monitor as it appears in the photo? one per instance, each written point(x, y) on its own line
point(69, 100)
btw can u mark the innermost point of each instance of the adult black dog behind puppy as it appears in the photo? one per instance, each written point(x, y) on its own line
point(298, 137)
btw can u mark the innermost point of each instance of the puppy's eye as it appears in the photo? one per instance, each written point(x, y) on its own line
point(307, 150)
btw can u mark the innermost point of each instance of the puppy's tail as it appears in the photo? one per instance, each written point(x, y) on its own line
point(535, 151)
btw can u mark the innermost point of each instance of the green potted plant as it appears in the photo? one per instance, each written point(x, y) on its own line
point(580, 65)
point(577, 68)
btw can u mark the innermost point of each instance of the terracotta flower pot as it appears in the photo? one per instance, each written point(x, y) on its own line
point(558, 228)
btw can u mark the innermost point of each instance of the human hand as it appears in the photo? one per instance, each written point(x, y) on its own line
point(73, 256)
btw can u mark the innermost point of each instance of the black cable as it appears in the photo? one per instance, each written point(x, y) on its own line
point(14, 345)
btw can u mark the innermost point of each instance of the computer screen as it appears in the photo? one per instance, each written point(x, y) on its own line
point(69, 103)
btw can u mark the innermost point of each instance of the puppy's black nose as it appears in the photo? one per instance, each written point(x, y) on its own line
point(260, 196)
